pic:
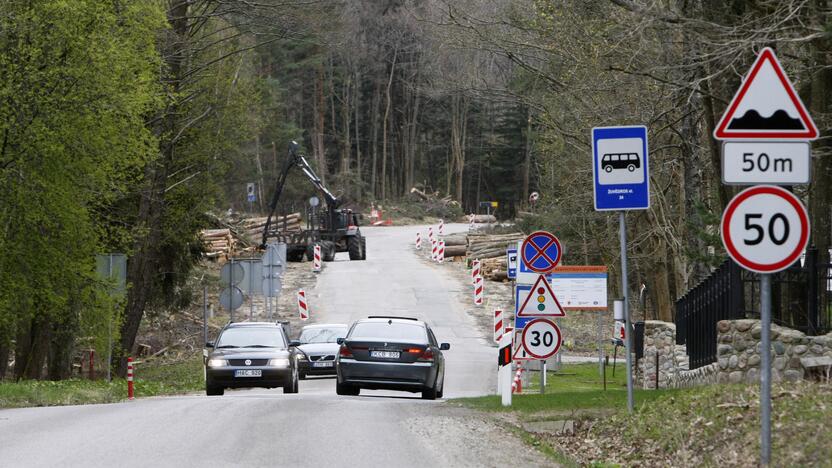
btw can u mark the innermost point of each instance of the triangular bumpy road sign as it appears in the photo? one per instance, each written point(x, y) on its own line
point(541, 301)
point(766, 106)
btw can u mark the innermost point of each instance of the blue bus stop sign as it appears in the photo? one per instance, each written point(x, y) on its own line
point(540, 252)
point(620, 169)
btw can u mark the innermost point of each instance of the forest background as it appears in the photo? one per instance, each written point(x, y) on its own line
point(122, 123)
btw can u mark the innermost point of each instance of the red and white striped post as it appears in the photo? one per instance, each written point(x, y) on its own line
point(129, 378)
point(418, 241)
point(441, 228)
point(498, 325)
point(316, 259)
point(303, 306)
point(475, 271)
point(517, 385)
point(478, 291)
point(434, 249)
point(440, 253)
point(430, 233)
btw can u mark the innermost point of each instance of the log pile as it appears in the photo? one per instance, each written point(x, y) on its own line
point(490, 245)
point(217, 242)
point(433, 197)
point(494, 269)
point(253, 227)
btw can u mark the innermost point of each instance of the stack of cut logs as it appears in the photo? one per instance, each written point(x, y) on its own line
point(253, 227)
point(490, 249)
point(217, 242)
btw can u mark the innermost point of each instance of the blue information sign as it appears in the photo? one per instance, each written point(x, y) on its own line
point(511, 262)
point(620, 168)
point(520, 293)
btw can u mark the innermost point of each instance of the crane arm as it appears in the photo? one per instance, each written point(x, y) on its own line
point(296, 159)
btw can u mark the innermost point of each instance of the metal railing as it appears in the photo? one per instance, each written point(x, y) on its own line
point(801, 299)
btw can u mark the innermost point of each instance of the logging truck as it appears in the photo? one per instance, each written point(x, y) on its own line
point(334, 228)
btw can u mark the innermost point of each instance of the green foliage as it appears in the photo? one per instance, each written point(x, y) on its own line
point(77, 80)
point(152, 379)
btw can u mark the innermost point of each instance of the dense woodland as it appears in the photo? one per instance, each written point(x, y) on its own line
point(122, 123)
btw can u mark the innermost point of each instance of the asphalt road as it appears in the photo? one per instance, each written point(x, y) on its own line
point(315, 427)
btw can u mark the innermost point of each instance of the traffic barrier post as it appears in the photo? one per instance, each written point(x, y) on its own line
point(303, 305)
point(440, 253)
point(441, 228)
point(498, 325)
point(418, 241)
point(316, 259)
point(478, 291)
point(129, 378)
point(475, 270)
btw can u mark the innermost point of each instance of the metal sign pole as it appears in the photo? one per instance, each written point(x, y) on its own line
point(109, 323)
point(251, 289)
point(765, 371)
point(231, 288)
point(205, 314)
point(542, 376)
point(628, 335)
point(601, 344)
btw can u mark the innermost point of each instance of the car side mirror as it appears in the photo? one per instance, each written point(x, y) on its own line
point(294, 343)
point(209, 344)
point(340, 340)
point(444, 346)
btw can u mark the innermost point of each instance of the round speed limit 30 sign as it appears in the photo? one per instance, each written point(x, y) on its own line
point(541, 338)
point(765, 228)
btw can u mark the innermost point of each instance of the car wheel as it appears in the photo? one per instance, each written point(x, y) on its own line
point(430, 393)
point(210, 390)
point(363, 248)
point(608, 168)
point(441, 390)
point(631, 167)
point(293, 385)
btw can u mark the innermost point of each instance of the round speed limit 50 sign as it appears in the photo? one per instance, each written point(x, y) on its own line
point(765, 228)
point(541, 338)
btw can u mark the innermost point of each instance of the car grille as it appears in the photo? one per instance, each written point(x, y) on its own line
point(327, 357)
point(242, 362)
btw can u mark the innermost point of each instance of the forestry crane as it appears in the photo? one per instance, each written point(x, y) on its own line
point(336, 230)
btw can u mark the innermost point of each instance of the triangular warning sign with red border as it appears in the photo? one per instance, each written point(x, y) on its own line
point(520, 353)
point(541, 301)
point(766, 106)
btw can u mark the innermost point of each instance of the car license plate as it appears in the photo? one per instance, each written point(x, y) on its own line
point(385, 354)
point(248, 373)
point(322, 364)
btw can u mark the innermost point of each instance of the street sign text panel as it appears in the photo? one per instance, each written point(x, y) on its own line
point(759, 162)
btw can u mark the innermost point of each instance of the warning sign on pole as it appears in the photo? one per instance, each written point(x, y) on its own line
point(541, 301)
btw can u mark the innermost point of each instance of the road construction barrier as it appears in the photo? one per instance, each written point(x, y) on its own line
point(430, 233)
point(475, 271)
point(316, 258)
point(434, 249)
point(303, 306)
point(517, 385)
point(478, 291)
point(418, 241)
point(441, 228)
point(129, 378)
point(440, 253)
point(498, 325)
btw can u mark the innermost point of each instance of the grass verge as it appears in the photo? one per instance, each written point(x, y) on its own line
point(714, 425)
point(151, 379)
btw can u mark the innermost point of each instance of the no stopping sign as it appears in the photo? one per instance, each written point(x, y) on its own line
point(541, 338)
point(765, 228)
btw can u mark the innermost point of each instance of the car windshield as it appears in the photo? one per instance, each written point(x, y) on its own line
point(389, 331)
point(245, 337)
point(322, 334)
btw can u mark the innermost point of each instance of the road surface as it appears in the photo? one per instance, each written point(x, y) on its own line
point(315, 427)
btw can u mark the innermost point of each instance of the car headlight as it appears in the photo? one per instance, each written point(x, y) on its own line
point(301, 356)
point(281, 362)
point(217, 363)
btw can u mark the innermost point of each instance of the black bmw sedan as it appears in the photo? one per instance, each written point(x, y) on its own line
point(391, 353)
point(251, 354)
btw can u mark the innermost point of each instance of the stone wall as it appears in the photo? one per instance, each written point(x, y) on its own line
point(738, 351)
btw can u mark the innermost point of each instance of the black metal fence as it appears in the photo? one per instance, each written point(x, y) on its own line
point(801, 299)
